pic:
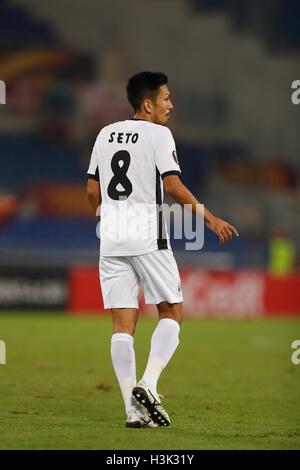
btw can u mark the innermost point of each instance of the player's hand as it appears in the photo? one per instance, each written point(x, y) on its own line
point(222, 229)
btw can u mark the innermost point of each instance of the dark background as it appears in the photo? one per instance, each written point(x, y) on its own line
point(230, 64)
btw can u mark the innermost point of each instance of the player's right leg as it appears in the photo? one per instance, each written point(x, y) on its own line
point(162, 287)
point(164, 343)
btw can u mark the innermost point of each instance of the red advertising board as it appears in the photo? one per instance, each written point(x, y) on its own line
point(85, 293)
point(232, 294)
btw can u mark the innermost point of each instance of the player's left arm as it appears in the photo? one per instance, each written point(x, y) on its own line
point(94, 193)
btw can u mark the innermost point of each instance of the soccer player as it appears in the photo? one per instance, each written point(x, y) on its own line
point(133, 162)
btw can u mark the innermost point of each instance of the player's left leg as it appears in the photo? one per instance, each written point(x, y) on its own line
point(123, 359)
point(123, 355)
point(119, 284)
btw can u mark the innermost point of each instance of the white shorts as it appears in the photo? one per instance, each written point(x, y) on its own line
point(120, 277)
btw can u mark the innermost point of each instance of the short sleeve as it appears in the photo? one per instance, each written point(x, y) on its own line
point(93, 171)
point(165, 153)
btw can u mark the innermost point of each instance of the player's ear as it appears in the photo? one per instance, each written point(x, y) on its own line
point(148, 106)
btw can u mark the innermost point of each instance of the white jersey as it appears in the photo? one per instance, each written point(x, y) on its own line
point(130, 158)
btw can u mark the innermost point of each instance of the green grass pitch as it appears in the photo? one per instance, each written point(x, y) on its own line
point(230, 385)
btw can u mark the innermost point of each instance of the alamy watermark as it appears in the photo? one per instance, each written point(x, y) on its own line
point(296, 354)
point(295, 96)
point(2, 92)
point(2, 353)
point(134, 222)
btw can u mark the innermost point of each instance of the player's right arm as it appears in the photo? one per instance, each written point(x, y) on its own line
point(174, 186)
point(168, 166)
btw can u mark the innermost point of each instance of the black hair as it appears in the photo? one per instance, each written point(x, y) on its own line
point(144, 85)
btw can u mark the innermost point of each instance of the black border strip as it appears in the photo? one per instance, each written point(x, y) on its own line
point(173, 172)
point(162, 243)
point(95, 176)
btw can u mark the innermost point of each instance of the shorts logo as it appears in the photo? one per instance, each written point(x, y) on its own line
point(175, 157)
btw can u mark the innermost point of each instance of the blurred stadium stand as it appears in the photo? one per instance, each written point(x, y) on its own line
point(65, 65)
point(277, 22)
point(20, 29)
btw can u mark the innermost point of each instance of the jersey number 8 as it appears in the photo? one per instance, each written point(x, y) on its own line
point(119, 164)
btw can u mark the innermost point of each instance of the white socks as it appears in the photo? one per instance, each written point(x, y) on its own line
point(164, 342)
point(123, 359)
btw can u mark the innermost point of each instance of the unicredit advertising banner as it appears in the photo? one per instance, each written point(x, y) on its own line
point(230, 294)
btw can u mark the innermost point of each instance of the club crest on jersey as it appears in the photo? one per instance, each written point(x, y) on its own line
point(175, 157)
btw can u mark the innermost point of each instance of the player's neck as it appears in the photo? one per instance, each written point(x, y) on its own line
point(143, 116)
